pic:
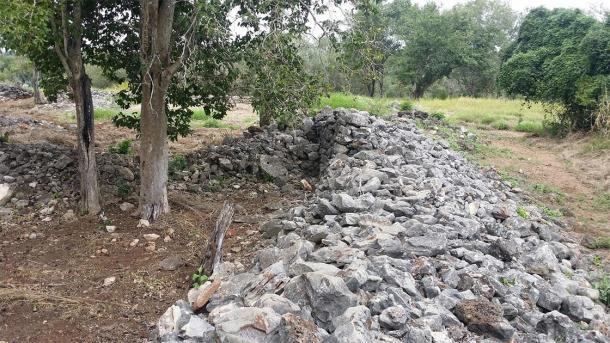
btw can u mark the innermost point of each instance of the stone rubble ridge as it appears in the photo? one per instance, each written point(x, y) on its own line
point(404, 241)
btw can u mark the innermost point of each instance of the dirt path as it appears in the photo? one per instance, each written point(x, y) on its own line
point(559, 173)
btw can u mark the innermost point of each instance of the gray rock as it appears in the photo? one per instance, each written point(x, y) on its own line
point(6, 193)
point(393, 317)
point(325, 296)
point(247, 323)
point(126, 173)
point(485, 318)
point(428, 245)
point(354, 325)
point(273, 166)
point(171, 263)
point(278, 303)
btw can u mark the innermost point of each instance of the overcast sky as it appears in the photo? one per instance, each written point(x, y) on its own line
point(523, 5)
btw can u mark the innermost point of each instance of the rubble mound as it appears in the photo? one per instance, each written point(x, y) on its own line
point(8, 92)
point(404, 241)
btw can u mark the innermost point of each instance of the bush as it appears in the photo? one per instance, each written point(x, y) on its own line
point(603, 286)
point(123, 147)
point(406, 105)
point(438, 115)
point(529, 126)
point(176, 164)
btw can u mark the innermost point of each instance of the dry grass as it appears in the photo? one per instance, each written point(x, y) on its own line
point(30, 294)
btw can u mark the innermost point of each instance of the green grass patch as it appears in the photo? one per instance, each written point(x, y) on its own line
point(598, 143)
point(603, 286)
point(544, 189)
point(485, 111)
point(201, 119)
point(375, 106)
point(602, 202)
point(123, 147)
point(500, 125)
point(551, 213)
point(104, 114)
point(600, 243)
point(530, 126)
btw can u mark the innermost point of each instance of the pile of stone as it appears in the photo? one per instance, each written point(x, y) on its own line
point(37, 174)
point(8, 92)
point(404, 241)
point(101, 99)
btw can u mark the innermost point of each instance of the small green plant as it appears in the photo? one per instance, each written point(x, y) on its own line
point(4, 138)
point(124, 190)
point(508, 282)
point(522, 212)
point(597, 261)
point(406, 105)
point(437, 115)
point(199, 278)
point(123, 147)
point(267, 177)
point(551, 213)
point(603, 286)
point(569, 274)
point(176, 163)
point(509, 178)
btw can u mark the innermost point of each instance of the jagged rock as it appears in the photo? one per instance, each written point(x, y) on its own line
point(325, 296)
point(247, 323)
point(354, 325)
point(294, 329)
point(485, 318)
point(6, 193)
point(393, 317)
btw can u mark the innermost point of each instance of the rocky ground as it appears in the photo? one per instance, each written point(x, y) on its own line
point(404, 241)
point(347, 228)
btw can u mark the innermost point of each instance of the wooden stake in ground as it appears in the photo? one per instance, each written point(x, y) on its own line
point(212, 258)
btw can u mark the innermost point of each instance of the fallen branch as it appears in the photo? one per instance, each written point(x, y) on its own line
point(212, 258)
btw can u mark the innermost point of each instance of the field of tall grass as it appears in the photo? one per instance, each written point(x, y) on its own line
point(502, 114)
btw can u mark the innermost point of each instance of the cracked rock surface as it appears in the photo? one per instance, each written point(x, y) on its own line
point(401, 243)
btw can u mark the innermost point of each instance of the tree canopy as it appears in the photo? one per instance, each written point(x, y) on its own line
point(560, 57)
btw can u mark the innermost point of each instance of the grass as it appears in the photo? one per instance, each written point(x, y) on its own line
point(602, 202)
point(502, 114)
point(600, 243)
point(522, 212)
point(530, 126)
point(375, 106)
point(544, 189)
point(104, 114)
point(598, 143)
point(200, 119)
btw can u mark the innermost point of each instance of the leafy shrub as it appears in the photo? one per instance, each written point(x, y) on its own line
point(438, 115)
point(124, 190)
point(600, 243)
point(123, 147)
point(560, 57)
point(176, 164)
point(406, 105)
point(603, 286)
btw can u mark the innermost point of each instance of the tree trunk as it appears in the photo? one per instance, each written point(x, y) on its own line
point(35, 77)
point(153, 153)
point(418, 92)
point(81, 89)
point(69, 51)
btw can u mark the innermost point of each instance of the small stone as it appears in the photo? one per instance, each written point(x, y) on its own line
point(110, 228)
point(143, 223)
point(32, 235)
point(33, 184)
point(151, 237)
point(167, 239)
point(207, 290)
point(126, 206)
point(109, 281)
point(393, 317)
point(69, 216)
point(172, 262)
point(150, 247)
point(134, 242)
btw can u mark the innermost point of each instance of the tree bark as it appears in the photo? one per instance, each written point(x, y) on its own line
point(87, 167)
point(157, 17)
point(153, 153)
point(418, 92)
point(214, 251)
point(68, 47)
point(35, 86)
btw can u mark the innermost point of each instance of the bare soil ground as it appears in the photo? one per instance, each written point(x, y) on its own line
point(561, 174)
point(52, 273)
